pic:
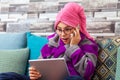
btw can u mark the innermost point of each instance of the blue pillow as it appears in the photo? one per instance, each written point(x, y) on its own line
point(12, 40)
point(35, 44)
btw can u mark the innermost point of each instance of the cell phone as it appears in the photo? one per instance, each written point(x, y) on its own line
point(78, 26)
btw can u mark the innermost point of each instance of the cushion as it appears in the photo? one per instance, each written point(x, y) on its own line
point(35, 44)
point(14, 60)
point(118, 65)
point(12, 40)
point(106, 65)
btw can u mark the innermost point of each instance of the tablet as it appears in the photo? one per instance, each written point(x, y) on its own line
point(51, 69)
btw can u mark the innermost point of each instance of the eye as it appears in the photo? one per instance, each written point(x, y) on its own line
point(59, 30)
point(67, 29)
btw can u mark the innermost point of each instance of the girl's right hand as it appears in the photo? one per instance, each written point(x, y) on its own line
point(75, 37)
point(33, 73)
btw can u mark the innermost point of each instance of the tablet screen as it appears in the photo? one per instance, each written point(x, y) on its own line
point(51, 69)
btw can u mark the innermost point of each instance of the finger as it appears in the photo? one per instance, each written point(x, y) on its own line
point(78, 26)
point(33, 78)
point(71, 35)
point(77, 30)
point(75, 33)
point(32, 68)
point(34, 72)
point(34, 75)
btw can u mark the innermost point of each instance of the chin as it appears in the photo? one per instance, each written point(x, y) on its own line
point(66, 42)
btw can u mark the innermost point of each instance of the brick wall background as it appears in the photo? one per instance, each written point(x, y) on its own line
point(103, 16)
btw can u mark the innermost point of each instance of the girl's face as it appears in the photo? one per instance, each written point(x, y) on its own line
point(64, 31)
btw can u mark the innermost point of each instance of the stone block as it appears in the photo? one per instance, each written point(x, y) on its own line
point(8, 20)
point(17, 16)
point(52, 9)
point(18, 27)
point(33, 6)
point(99, 4)
point(51, 0)
point(42, 27)
point(48, 6)
point(15, 1)
point(69, 1)
point(3, 16)
point(117, 28)
point(32, 15)
point(89, 14)
point(33, 20)
point(36, 0)
point(18, 8)
point(43, 6)
point(118, 14)
point(118, 5)
point(50, 16)
point(2, 27)
point(112, 5)
point(96, 19)
point(106, 14)
point(60, 6)
point(100, 27)
point(4, 7)
point(113, 18)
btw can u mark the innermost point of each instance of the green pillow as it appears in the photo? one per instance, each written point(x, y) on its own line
point(14, 60)
point(118, 65)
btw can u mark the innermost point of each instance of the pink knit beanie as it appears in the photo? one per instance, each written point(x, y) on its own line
point(73, 15)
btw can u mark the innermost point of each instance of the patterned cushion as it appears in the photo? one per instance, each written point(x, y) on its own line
point(106, 65)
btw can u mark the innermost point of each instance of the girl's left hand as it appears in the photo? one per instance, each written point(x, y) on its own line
point(75, 37)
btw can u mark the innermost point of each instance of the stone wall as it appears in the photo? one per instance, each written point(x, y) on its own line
point(103, 16)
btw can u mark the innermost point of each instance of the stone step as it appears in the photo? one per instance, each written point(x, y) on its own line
point(15, 1)
point(100, 27)
point(105, 14)
point(32, 16)
point(50, 16)
point(101, 4)
point(40, 14)
point(43, 6)
point(41, 25)
point(5, 20)
point(19, 8)
point(3, 16)
point(17, 16)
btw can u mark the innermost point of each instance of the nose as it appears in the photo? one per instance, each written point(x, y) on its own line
point(63, 33)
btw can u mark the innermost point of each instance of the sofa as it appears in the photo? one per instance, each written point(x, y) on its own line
point(17, 48)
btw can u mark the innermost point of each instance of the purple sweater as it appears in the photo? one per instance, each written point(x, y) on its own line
point(81, 59)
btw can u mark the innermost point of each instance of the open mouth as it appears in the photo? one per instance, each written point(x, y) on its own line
point(65, 39)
